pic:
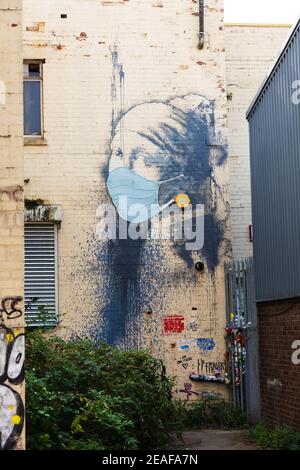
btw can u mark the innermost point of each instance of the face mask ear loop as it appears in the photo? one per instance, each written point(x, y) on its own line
point(171, 179)
point(166, 205)
point(172, 200)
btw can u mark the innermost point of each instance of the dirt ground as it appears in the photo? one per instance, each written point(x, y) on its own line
point(212, 440)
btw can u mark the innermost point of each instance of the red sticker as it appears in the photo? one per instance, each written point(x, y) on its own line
point(174, 324)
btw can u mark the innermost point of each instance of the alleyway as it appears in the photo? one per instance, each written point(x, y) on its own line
point(213, 440)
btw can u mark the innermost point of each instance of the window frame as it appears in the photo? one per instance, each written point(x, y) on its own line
point(40, 79)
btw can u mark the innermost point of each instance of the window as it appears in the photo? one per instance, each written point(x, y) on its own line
point(33, 97)
point(41, 306)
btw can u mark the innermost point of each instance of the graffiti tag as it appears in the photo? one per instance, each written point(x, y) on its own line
point(184, 361)
point(210, 367)
point(12, 348)
point(9, 308)
point(188, 390)
point(192, 326)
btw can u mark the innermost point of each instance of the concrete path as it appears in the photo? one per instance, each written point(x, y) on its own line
point(212, 440)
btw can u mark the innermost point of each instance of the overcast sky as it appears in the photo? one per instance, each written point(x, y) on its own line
point(262, 11)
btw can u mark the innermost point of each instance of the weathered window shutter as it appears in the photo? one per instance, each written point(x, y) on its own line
point(41, 274)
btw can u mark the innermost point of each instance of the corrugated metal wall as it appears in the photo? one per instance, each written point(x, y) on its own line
point(275, 173)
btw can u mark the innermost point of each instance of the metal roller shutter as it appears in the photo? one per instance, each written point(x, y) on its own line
point(40, 274)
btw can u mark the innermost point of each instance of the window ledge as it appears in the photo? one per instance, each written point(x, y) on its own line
point(35, 141)
point(35, 212)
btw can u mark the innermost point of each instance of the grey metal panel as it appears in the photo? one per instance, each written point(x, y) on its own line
point(241, 316)
point(275, 175)
point(272, 69)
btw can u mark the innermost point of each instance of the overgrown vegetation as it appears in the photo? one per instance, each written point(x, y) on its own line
point(84, 397)
point(209, 411)
point(281, 438)
point(80, 396)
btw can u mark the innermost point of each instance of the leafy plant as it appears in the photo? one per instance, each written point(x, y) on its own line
point(80, 396)
point(210, 410)
point(281, 438)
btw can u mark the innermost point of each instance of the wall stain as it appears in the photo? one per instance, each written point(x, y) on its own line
point(13, 192)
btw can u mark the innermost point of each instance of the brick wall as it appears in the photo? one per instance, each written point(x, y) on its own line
point(250, 52)
point(106, 290)
point(11, 222)
point(279, 327)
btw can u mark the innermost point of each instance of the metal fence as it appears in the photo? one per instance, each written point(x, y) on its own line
point(242, 337)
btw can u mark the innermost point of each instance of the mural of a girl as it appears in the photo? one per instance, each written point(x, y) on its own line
point(142, 281)
point(160, 141)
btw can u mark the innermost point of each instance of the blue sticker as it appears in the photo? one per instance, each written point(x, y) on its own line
point(185, 344)
point(206, 344)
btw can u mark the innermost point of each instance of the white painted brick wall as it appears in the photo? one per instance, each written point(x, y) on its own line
point(11, 207)
point(157, 44)
point(250, 52)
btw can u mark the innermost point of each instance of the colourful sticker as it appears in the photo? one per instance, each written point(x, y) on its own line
point(206, 344)
point(185, 344)
point(174, 324)
point(182, 200)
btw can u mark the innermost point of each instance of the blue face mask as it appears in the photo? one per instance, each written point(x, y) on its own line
point(135, 197)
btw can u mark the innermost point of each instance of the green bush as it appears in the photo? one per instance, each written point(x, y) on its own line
point(80, 396)
point(211, 410)
point(281, 438)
